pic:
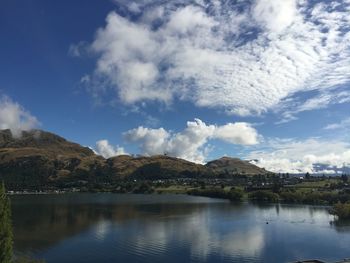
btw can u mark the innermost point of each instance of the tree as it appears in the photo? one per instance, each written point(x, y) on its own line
point(307, 175)
point(6, 238)
point(344, 177)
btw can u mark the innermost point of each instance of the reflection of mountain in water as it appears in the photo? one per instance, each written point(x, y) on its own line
point(46, 225)
point(159, 228)
point(38, 227)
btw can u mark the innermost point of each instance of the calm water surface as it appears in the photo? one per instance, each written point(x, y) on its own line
point(172, 228)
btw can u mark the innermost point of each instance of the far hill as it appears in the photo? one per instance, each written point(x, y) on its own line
point(39, 159)
point(155, 167)
point(228, 165)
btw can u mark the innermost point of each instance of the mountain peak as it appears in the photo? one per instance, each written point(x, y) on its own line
point(42, 140)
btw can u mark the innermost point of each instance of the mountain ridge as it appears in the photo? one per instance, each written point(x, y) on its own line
point(39, 158)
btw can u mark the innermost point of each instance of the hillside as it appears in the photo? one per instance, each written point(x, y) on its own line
point(158, 166)
point(228, 165)
point(39, 159)
point(37, 139)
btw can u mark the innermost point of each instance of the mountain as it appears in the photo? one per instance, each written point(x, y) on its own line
point(41, 140)
point(39, 159)
point(228, 165)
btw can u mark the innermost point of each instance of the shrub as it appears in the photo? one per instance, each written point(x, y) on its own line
point(6, 239)
point(341, 210)
point(263, 195)
point(233, 194)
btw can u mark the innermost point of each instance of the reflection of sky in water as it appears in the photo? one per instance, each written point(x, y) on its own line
point(182, 232)
point(101, 230)
point(203, 236)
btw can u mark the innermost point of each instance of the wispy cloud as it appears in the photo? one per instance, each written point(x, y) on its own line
point(245, 59)
point(340, 125)
point(322, 100)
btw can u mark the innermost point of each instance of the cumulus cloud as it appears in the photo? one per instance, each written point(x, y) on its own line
point(152, 141)
point(104, 148)
point(301, 156)
point(275, 15)
point(237, 133)
point(191, 143)
point(213, 54)
point(14, 117)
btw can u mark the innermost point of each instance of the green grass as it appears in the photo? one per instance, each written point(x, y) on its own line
point(317, 184)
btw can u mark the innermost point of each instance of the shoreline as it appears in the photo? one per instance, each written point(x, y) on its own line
point(245, 200)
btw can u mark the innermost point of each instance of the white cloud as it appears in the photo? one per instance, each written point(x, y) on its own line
point(14, 117)
point(237, 133)
point(153, 141)
point(106, 150)
point(188, 19)
point(127, 59)
point(191, 143)
point(301, 156)
point(216, 56)
point(275, 15)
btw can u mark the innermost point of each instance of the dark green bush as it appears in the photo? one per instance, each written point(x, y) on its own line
point(262, 195)
point(233, 194)
point(341, 210)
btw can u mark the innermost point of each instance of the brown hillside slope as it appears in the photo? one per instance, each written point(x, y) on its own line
point(158, 166)
point(40, 158)
point(234, 166)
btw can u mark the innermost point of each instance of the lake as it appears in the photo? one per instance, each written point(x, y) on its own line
point(172, 228)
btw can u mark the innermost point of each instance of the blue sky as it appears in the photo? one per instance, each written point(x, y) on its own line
point(265, 79)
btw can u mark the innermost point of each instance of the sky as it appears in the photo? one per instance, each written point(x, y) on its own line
point(262, 80)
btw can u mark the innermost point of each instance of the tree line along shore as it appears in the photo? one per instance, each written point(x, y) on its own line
point(315, 190)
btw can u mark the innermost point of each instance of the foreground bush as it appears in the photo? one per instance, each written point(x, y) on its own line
point(6, 236)
point(6, 241)
point(341, 210)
